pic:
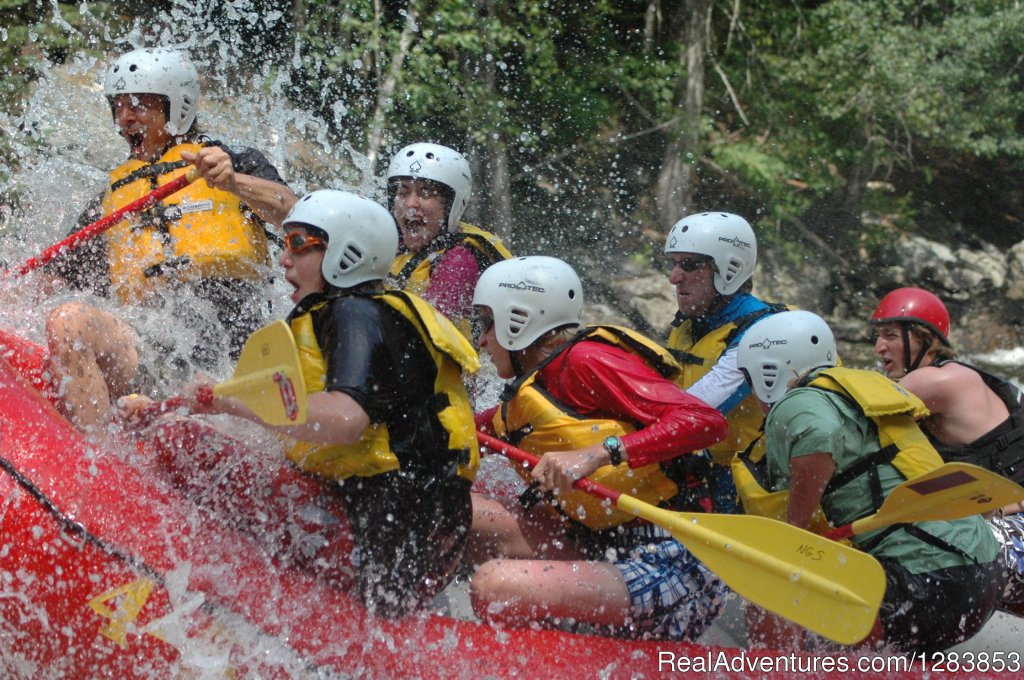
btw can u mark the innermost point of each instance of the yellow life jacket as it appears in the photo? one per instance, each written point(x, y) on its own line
point(534, 421)
point(411, 271)
point(698, 356)
point(372, 454)
point(196, 233)
point(892, 409)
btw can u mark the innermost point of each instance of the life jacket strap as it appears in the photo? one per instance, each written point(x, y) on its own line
point(150, 171)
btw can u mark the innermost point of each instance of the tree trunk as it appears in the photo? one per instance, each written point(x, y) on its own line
point(493, 200)
point(491, 208)
point(652, 22)
point(387, 85)
point(675, 186)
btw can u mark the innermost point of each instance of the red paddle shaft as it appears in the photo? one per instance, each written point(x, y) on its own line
point(101, 225)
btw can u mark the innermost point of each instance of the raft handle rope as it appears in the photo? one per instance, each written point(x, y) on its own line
point(70, 527)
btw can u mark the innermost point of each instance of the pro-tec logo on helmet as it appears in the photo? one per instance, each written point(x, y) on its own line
point(522, 285)
point(416, 167)
point(672, 242)
point(767, 343)
point(734, 241)
point(120, 84)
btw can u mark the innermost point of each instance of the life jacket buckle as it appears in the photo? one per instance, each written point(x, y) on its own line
point(166, 267)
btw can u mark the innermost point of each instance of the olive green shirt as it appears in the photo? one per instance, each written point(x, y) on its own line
point(809, 420)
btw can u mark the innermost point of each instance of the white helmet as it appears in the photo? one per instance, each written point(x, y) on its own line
point(362, 238)
point(160, 71)
point(725, 238)
point(529, 296)
point(440, 164)
point(781, 347)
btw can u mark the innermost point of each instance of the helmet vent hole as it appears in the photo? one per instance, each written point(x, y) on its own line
point(572, 294)
point(133, 68)
point(814, 339)
point(769, 374)
point(517, 319)
point(351, 256)
point(732, 269)
point(430, 155)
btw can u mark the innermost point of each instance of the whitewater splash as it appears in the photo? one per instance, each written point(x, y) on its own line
point(65, 144)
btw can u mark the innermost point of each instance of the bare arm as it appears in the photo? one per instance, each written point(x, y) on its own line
point(270, 200)
point(809, 475)
point(333, 418)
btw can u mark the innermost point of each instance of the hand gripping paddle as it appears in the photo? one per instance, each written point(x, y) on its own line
point(268, 379)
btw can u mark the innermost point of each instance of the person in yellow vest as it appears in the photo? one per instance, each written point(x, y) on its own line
point(712, 259)
point(598, 402)
point(390, 429)
point(188, 273)
point(843, 439)
point(439, 257)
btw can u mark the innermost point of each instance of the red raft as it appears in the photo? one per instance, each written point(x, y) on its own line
point(106, 570)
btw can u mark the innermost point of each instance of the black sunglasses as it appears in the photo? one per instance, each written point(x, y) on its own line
point(690, 264)
point(483, 321)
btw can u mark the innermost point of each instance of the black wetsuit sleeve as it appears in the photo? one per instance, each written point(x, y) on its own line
point(377, 357)
point(351, 340)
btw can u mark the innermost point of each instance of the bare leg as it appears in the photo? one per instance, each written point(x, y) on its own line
point(519, 592)
point(504, 529)
point(93, 360)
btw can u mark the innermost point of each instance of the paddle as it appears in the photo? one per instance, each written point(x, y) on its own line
point(826, 587)
point(952, 491)
point(268, 379)
point(101, 225)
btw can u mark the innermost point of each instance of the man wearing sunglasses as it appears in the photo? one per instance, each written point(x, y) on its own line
point(711, 258)
point(200, 256)
point(389, 426)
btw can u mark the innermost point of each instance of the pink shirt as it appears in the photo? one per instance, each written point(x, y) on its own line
point(453, 278)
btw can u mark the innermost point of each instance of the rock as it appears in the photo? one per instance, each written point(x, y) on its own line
point(982, 286)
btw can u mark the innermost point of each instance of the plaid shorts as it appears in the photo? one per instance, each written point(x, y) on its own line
point(674, 596)
point(1009, 531)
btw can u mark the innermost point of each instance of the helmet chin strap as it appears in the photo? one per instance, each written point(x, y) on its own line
point(909, 365)
point(517, 365)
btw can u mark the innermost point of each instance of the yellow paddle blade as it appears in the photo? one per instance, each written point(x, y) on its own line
point(952, 491)
point(268, 378)
point(824, 586)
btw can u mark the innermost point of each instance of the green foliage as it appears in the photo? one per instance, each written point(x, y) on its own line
point(806, 103)
point(898, 73)
point(839, 94)
point(33, 33)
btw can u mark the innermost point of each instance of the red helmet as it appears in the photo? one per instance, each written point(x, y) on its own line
point(914, 305)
